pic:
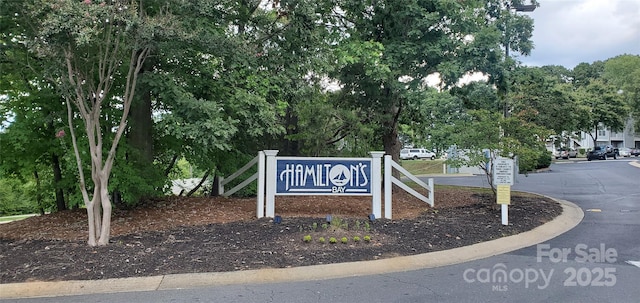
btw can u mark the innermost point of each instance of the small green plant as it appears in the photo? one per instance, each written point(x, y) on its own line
point(367, 227)
point(356, 239)
point(325, 226)
point(367, 238)
point(307, 238)
point(344, 240)
point(321, 240)
point(333, 240)
point(314, 226)
point(357, 224)
point(336, 222)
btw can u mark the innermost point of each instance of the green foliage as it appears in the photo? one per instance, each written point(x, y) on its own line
point(367, 238)
point(623, 72)
point(333, 240)
point(391, 49)
point(344, 240)
point(543, 98)
point(17, 198)
point(600, 105)
point(544, 159)
point(494, 136)
point(307, 238)
point(356, 239)
point(321, 240)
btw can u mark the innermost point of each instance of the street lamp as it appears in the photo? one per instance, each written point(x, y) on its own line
point(517, 8)
point(526, 8)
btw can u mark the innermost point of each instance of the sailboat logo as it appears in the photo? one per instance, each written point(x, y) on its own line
point(340, 175)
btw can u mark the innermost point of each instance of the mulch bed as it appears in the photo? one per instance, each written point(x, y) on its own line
point(194, 235)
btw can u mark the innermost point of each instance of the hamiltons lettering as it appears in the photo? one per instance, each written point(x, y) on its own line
point(324, 175)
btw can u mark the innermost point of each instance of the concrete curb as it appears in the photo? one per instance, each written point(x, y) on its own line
point(570, 217)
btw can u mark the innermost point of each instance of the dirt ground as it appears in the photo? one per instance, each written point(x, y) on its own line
point(191, 235)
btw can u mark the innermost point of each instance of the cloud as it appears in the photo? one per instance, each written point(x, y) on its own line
point(574, 31)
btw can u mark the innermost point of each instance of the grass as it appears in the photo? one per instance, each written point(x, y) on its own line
point(423, 167)
point(15, 218)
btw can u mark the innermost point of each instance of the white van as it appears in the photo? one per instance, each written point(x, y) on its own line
point(416, 153)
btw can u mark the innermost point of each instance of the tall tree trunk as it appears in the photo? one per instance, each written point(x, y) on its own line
point(291, 147)
point(140, 134)
point(57, 182)
point(392, 145)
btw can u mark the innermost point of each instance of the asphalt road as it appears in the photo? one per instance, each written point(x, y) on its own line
point(594, 262)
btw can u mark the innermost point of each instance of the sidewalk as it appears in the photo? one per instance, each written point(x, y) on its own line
point(570, 217)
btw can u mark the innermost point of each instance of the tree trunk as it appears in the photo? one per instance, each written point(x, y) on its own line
point(57, 182)
point(204, 179)
point(392, 145)
point(290, 147)
point(140, 133)
point(215, 190)
point(106, 211)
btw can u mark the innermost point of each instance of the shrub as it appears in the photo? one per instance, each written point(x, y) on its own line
point(367, 238)
point(344, 240)
point(356, 239)
point(321, 240)
point(333, 240)
point(307, 238)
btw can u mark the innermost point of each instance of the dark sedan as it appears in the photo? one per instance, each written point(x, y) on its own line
point(602, 152)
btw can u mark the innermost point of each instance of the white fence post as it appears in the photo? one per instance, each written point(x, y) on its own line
point(388, 187)
point(271, 182)
point(261, 184)
point(220, 185)
point(431, 195)
point(376, 183)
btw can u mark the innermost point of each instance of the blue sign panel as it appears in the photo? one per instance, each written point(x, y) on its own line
point(323, 176)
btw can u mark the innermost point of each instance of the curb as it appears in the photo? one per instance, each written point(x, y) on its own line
point(570, 217)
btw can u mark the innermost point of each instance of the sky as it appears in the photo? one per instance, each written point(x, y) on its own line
point(569, 32)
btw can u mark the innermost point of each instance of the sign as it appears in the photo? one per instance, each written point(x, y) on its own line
point(323, 176)
point(503, 172)
point(504, 194)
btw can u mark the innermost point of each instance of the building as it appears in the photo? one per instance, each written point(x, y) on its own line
point(626, 138)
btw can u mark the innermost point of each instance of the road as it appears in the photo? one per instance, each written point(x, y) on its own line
point(594, 262)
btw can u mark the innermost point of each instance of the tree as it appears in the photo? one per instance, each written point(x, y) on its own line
point(430, 118)
point(30, 112)
point(495, 136)
point(90, 48)
point(600, 105)
point(392, 46)
point(623, 72)
point(541, 96)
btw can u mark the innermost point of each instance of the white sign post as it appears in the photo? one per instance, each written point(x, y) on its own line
point(503, 178)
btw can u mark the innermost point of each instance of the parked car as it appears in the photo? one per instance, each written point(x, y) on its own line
point(416, 153)
point(565, 153)
point(602, 152)
point(624, 152)
point(635, 152)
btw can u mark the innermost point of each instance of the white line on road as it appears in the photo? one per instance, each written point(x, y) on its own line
point(634, 263)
